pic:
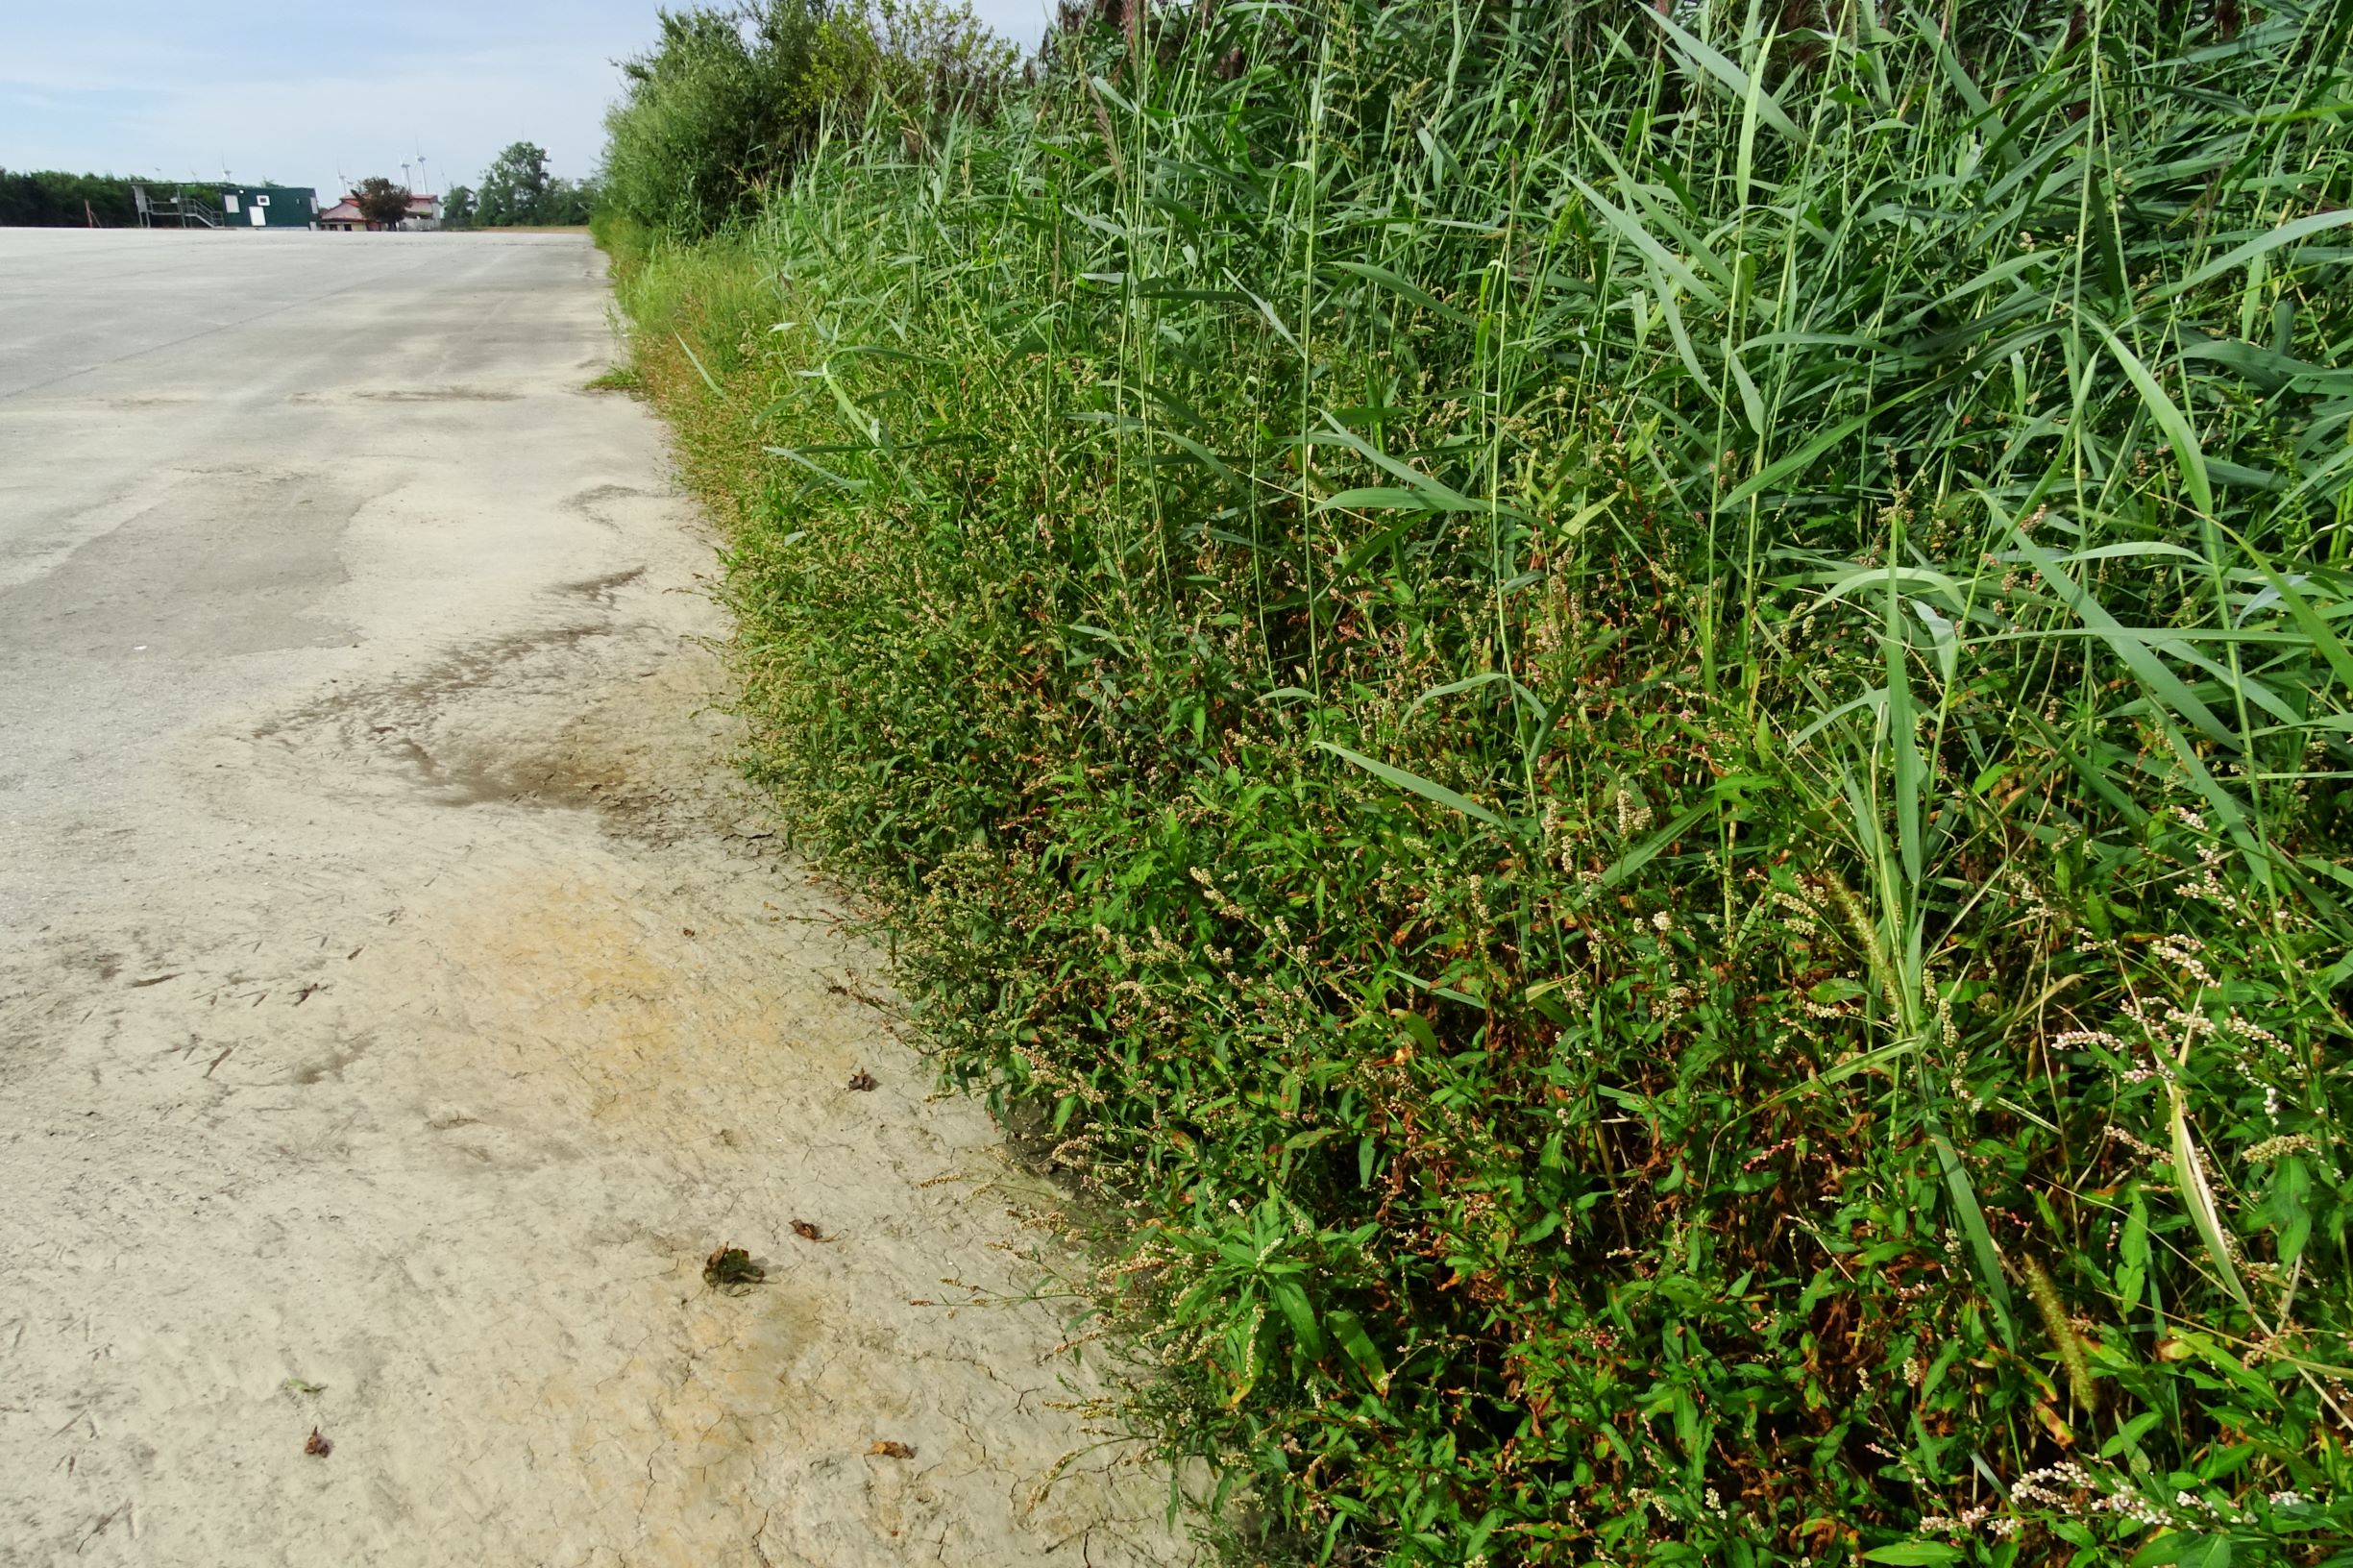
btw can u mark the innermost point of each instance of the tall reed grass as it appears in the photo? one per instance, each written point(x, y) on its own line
point(1637, 719)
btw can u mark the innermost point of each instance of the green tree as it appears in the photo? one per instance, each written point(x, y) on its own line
point(514, 188)
point(568, 201)
point(708, 113)
point(458, 208)
point(381, 202)
point(726, 102)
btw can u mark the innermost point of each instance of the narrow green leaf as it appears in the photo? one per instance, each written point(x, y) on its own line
point(2134, 653)
point(2197, 1197)
point(1389, 498)
point(2286, 233)
point(2170, 419)
point(1717, 64)
point(1765, 478)
point(1910, 776)
point(2300, 607)
point(1648, 850)
point(1434, 496)
point(1404, 288)
point(1293, 1304)
point(1415, 783)
point(2184, 1549)
point(1971, 1217)
point(1630, 227)
point(697, 364)
point(791, 454)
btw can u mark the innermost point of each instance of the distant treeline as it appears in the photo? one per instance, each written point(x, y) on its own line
point(51, 199)
point(517, 191)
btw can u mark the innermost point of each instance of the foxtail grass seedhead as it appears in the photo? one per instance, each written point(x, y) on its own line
point(2064, 1339)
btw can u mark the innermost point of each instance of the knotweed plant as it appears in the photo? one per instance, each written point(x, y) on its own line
point(1635, 718)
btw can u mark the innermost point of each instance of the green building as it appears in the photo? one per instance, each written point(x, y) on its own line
point(268, 206)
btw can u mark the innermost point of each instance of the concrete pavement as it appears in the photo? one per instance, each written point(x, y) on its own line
point(400, 998)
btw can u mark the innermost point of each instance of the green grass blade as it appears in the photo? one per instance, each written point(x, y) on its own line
point(2170, 420)
point(1416, 784)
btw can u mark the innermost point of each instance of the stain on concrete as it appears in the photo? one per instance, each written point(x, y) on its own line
point(232, 562)
point(409, 393)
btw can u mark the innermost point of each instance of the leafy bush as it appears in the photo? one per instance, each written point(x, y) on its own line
point(729, 101)
point(382, 202)
point(1638, 720)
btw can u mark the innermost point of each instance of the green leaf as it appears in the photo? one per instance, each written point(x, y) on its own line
point(1209, 459)
point(1469, 684)
point(1376, 497)
point(1293, 1304)
point(1914, 1552)
point(2134, 653)
point(1752, 402)
point(1630, 227)
point(838, 481)
point(1403, 287)
point(1911, 780)
point(2191, 1550)
point(1717, 64)
point(1268, 310)
point(2170, 419)
point(2306, 617)
point(2289, 1208)
point(1358, 1346)
point(2189, 1177)
point(1432, 495)
point(1414, 782)
point(1973, 1226)
point(2129, 1435)
point(1870, 1060)
point(1643, 853)
point(697, 364)
point(1425, 1037)
point(2286, 233)
point(852, 415)
point(1765, 478)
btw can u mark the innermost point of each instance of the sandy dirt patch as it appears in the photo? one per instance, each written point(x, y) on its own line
point(387, 1045)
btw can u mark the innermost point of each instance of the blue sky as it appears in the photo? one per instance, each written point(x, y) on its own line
point(295, 92)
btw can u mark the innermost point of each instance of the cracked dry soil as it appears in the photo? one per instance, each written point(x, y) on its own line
point(414, 1121)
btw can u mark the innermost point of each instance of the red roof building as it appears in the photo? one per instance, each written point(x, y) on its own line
point(423, 212)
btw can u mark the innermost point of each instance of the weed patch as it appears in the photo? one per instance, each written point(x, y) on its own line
point(1637, 720)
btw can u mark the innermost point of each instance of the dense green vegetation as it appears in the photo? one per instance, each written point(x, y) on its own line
point(1639, 723)
point(730, 102)
point(517, 191)
point(50, 199)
